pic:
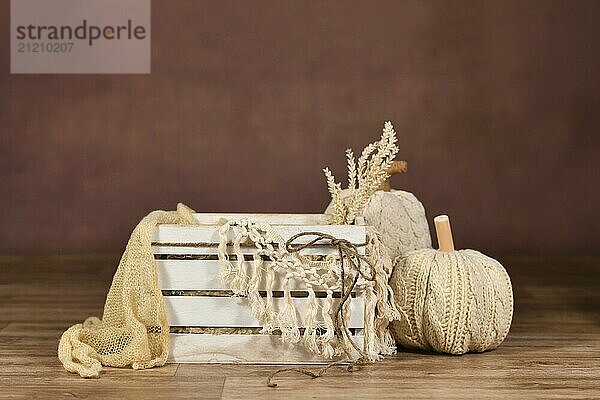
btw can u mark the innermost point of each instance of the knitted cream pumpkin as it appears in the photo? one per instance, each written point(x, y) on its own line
point(452, 301)
point(398, 216)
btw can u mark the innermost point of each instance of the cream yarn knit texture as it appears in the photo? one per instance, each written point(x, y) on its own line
point(452, 302)
point(399, 218)
point(134, 329)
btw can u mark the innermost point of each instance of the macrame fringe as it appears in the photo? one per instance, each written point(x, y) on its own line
point(310, 322)
point(318, 319)
point(326, 348)
point(288, 320)
point(257, 304)
point(347, 345)
point(385, 309)
point(371, 341)
point(227, 269)
point(240, 281)
point(270, 318)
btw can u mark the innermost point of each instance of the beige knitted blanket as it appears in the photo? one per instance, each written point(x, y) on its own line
point(134, 329)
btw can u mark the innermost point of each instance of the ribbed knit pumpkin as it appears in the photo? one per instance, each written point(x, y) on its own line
point(452, 301)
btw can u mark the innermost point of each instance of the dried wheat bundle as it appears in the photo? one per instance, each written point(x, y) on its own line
point(364, 177)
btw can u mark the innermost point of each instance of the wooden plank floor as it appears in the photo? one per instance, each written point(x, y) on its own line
point(552, 351)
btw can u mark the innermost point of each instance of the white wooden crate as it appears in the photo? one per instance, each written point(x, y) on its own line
point(198, 300)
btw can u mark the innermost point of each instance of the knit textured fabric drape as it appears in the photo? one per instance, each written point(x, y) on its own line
point(134, 330)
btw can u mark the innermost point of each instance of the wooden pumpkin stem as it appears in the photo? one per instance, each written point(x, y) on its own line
point(397, 167)
point(444, 233)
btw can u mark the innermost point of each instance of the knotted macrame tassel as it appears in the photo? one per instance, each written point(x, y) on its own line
point(386, 310)
point(227, 268)
point(310, 321)
point(257, 304)
point(345, 345)
point(269, 313)
point(371, 346)
point(288, 320)
point(382, 266)
point(271, 235)
point(327, 349)
point(239, 284)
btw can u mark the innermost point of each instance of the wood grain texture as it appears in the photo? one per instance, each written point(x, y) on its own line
point(552, 351)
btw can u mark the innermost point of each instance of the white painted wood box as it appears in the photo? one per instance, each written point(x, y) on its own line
point(198, 301)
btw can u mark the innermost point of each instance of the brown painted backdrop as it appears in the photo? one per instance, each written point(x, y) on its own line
point(496, 105)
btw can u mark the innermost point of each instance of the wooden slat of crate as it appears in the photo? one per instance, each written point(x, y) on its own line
point(183, 250)
point(195, 250)
point(175, 239)
point(242, 349)
point(272, 219)
point(193, 275)
point(235, 311)
point(202, 275)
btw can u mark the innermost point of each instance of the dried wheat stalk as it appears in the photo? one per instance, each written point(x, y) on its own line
point(364, 177)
